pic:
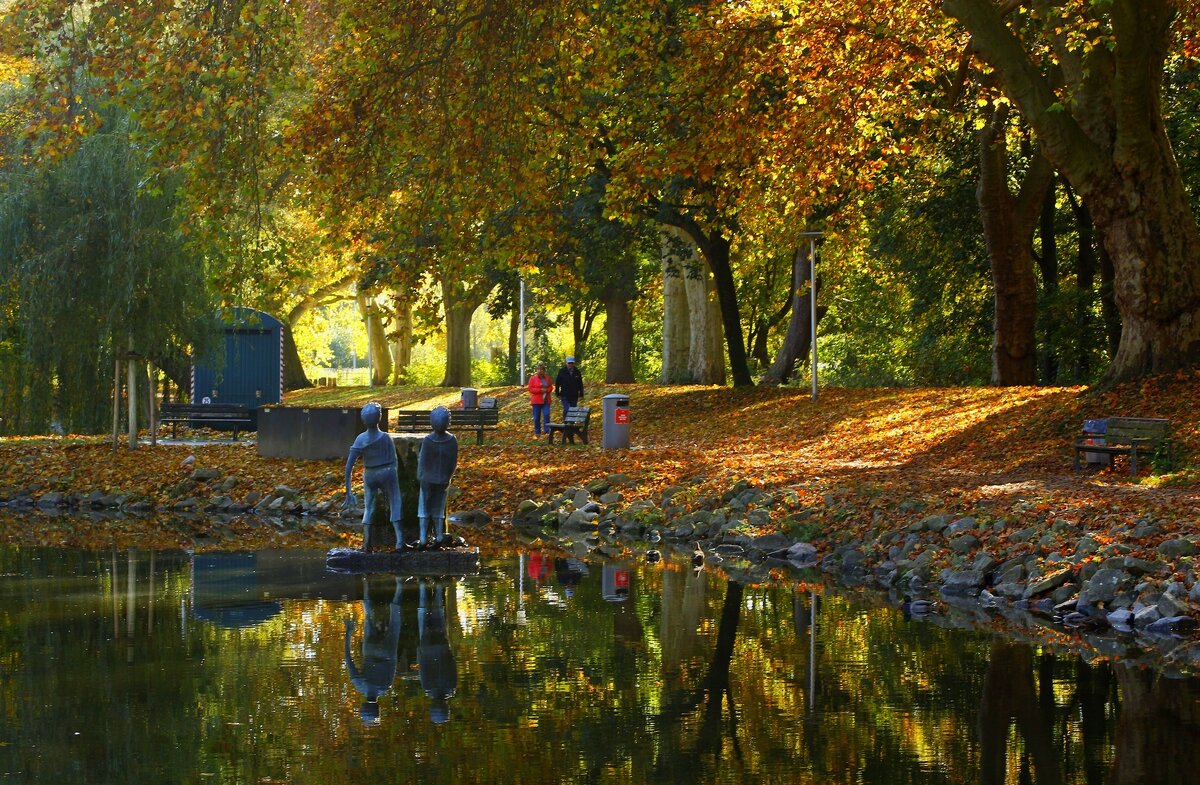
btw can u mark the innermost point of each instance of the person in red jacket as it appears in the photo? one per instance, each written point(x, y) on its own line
point(540, 390)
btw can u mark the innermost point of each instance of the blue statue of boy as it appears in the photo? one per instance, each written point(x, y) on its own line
point(435, 466)
point(379, 473)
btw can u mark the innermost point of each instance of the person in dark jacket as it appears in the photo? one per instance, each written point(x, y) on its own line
point(568, 385)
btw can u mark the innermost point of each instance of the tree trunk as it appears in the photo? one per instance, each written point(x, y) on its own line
point(400, 339)
point(513, 373)
point(716, 251)
point(618, 327)
point(460, 303)
point(798, 339)
point(1047, 262)
point(381, 356)
point(1008, 225)
point(1110, 143)
point(676, 332)
point(1085, 283)
point(294, 377)
point(706, 355)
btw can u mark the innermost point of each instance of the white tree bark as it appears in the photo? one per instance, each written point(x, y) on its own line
point(676, 332)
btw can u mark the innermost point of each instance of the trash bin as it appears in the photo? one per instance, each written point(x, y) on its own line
point(616, 422)
point(470, 398)
point(1094, 432)
point(614, 583)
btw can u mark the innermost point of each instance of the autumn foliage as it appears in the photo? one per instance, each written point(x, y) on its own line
point(857, 460)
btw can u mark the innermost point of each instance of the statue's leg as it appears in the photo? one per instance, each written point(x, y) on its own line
point(437, 510)
point(396, 508)
point(368, 509)
point(423, 514)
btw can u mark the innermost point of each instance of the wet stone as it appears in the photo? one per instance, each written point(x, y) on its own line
point(1173, 549)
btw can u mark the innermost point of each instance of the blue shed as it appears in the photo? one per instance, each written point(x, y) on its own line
point(250, 372)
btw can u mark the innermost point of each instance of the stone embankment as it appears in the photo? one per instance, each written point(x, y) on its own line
point(1128, 589)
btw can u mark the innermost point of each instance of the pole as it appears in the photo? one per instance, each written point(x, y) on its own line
point(116, 397)
point(131, 395)
point(812, 302)
point(521, 297)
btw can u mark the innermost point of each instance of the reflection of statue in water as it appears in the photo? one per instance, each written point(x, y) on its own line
point(381, 637)
point(379, 473)
point(435, 660)
point(435, 467)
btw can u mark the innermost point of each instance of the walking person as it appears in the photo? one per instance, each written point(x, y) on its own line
point(540, 388)
point(569, 385)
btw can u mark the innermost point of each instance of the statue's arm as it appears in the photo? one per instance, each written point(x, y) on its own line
point(355, 451)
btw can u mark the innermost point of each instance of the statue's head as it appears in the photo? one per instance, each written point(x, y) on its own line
point(371, 414)
point(439, 419)
point(369, 713)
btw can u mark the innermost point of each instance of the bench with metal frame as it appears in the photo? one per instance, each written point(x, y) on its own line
point(1132, 436)
point(199, 415)
point(575, 423)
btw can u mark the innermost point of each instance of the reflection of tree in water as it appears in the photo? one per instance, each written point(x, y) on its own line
point(1158, 729)
point(677, 761)
point(1009, 694)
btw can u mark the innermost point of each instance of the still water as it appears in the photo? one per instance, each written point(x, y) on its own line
point(147, 667)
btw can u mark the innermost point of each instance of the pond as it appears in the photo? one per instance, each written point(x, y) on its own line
point(149, 667)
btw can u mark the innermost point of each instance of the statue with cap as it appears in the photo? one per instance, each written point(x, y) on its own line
point(435, 466)
point(380, 476)
point(436, 666)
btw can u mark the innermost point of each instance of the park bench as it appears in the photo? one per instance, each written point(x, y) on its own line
point(485, 418)
point(1128, 436)
point(575, 422)
point(199, 415)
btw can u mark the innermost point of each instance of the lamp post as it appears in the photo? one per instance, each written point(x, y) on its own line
point(521, 308)
point(812, 300)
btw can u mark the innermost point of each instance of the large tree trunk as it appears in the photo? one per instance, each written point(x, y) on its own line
point(706, 354)
point(618, 327)
point(676, 331)
point(716, 252)
point(1008, 225)
point(1110, 143)
point(381, 356)
point(1085, 284)
point(1047, 262)
point(337, 290)
point(798, 339)
point(294, 377)
point(460, 302)
point(400, 339)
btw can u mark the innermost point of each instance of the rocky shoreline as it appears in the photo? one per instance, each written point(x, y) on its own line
point(975, 569)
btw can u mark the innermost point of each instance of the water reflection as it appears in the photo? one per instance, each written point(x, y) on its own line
point(131, 666)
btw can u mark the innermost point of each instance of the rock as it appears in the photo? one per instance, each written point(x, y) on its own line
point(802, 553)
point(1143, 567)
point(1012, 591)
point(961, 581)
point(964, 543)
point(984, 562)
point(771, 542)
point(188, 461)
point(581, 498)
point(682, 531)
point(612, 497)
point(1146, 616)
point(1103, 586)
point(1169, 605)
point(277, 503)
point(961, 525)
point(228, 484)
point(1173, 549)
point(1048, 582)
point(1023, 535)
point(618, 479)
point(580, 520)
point(598, 487)
point(1122, 617)
point(932, 523)
point(205, 474)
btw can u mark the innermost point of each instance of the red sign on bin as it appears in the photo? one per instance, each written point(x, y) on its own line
point(622, 416)
point(621, 579)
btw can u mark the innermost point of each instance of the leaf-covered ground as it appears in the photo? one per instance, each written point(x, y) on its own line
point(857, 459)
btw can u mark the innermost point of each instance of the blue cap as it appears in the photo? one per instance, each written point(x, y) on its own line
point(570, 359)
